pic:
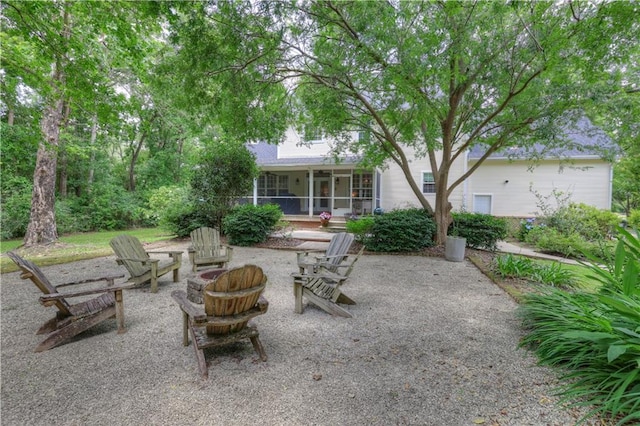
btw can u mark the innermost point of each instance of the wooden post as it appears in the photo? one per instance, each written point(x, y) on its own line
point(120, 311)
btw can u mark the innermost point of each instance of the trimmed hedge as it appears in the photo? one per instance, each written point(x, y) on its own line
point(401, 231)
point(480, 230)
point(247, 224)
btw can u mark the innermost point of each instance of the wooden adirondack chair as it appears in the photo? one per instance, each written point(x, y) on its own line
point(206, 249)
point(320, 279)
point(230, 301)
point(331, 259)
point(142, 268)
point(71, 320)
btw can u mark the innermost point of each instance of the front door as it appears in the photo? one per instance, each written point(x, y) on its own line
point(341, 195)
point(322, 195)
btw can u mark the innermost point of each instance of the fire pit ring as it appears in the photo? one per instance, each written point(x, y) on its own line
point(196, 283)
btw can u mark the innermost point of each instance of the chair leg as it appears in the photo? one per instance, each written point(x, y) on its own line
point(48, 326)
point(297, 291)
point(185, 329)
point(154, 277)
point(176, 275)
point(257, 345)
point(202, 362)
point(74, 328)
point(120, 312)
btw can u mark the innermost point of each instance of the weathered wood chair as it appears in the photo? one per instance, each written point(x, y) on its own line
point(335, 254)
point(206, 249)
point(230, 301)
point(71, 320)
point(142, 268)
point(320, 278)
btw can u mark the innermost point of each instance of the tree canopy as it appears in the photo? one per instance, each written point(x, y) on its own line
point(428, 79)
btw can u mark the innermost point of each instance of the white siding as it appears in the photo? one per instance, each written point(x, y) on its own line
point(511, 184)
point(294, 146)
point(396, 192)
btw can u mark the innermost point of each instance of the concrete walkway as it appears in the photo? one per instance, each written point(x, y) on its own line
point(506, 247)
point(318, 240)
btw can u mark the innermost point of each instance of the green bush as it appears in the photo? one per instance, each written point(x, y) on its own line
point(15, 209)
point(634, 219)
point(480, 230)
point(550, 240)
point(174, 210)
point(360, 228)
point(594, 337)
point(586, 221)
point(247, 224)
point(401, 231)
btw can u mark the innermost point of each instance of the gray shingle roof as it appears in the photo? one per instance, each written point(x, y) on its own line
point(579, 140)
point(267, 155)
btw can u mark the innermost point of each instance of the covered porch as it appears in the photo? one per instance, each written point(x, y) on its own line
point(343, 192)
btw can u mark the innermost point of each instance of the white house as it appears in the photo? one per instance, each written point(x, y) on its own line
point(304, 180)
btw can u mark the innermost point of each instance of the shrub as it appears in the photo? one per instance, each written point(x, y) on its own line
point(586, 221)
point(174, 210)
point(526, 226)
point(247, 224)
point(401, 230)
point(360, 228)
point(550, 240)
point(480, 230)
point(15, 209)
point(593, 336)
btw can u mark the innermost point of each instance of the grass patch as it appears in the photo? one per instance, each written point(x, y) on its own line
point(74, 247)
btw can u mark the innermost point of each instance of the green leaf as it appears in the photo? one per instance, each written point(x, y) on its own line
point(615, 351)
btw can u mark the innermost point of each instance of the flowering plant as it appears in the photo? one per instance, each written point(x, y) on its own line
point(325, 215)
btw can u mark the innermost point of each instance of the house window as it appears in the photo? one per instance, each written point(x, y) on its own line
point(364, 136)
point(270, 185)
point(428, 183)
point(312, 134)
point(482, 203)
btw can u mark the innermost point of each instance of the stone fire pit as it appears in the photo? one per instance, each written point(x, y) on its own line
point(196, 283)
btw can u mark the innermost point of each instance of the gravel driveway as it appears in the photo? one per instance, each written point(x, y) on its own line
point(431, 342)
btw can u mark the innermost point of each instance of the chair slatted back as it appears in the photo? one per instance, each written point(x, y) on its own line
point(233, 292)
point(339, 245)
point(128, 247)
point(35, 274)
point(206, 242)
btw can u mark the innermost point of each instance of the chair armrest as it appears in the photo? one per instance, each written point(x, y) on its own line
point(195, 313)
point(56, 296)
point(170, 253)
point(323, 275)
point(143, 261)
point(109, 279)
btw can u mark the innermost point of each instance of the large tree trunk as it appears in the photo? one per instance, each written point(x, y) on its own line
point(442, 213)
point(42, 227)
point(92, 142)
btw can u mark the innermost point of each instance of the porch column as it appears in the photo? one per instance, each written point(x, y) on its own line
point(310, 207)
point(255, 191)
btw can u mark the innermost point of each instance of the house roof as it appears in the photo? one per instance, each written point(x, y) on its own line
point(578, 140)
point(267, 155)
